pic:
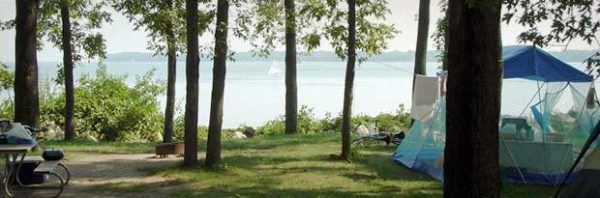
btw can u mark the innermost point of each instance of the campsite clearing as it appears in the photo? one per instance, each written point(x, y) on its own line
point(287, 166)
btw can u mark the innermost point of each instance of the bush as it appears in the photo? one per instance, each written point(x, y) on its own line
point(386, 122)
point(179, 131)
point(108, 109)
point(273, 127)
point(308, 124)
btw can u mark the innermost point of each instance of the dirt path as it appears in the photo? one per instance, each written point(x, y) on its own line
point(88, 172)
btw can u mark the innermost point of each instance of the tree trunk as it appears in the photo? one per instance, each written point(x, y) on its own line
point(68, 68)
point(191, 104)
point(291, 87)
point(349, 86)
point(213, 147)
point(171, 79)
point(471, 167)
point(26, 71)
point(422, 38)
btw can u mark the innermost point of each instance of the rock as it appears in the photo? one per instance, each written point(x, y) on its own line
point(362, 130)
point(238, 135)
point(249, 132)
point(90, 138)
point(52, 131)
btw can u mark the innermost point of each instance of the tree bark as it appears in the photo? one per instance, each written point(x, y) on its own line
point(291, 87)
point(213, 147)
point(422, 38)
point(68, 69)
point(349, 83)
point(191, 106)
point(171, 79)
point(471, 167)
point(26, 71)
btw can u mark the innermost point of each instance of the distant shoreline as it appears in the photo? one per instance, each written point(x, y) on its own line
point(317, 56)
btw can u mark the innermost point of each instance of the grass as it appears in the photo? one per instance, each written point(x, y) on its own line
point(290, 166)
point(299, 166)
point(130, 187)
point(99, 147)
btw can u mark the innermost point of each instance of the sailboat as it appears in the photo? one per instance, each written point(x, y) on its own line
point(275, 69)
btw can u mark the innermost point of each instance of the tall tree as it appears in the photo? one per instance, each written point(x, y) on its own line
point(350, 31)
point(161, 19)
point(268, 22)
point(171, 77)
point(68, 69)
point(349, 82)
point(291, 87)
point(422, 38)
point(190, 158)
point(78, 21)
point(471, 167)
point(26, 71)
point(71, 26)
point(213, 147)
point(164, 22)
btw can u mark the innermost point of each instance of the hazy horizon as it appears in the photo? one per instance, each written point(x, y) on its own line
point(120, 31)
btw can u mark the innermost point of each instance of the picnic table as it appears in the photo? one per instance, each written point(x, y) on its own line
point(15, 157)
point(17, 153)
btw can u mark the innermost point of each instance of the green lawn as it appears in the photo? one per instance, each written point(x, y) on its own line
point(90, 147)
point(294, 166)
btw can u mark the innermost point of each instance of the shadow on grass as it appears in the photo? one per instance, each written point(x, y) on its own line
point(269, 191)
point(378, 159)
point(111, 169)
point(276, 141)
point(248, 161)
point(139, 187)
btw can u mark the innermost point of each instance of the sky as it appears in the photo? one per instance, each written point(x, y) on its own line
point(120, 36)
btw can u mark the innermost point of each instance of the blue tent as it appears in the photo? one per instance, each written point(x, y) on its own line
point(524, 158)
point(529, 62)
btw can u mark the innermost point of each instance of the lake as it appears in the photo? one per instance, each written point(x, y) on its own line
point(252, 96)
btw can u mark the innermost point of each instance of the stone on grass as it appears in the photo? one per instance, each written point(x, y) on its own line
point(238, 135)
point(249, 132)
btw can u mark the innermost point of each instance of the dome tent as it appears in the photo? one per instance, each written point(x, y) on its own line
point(536, 149)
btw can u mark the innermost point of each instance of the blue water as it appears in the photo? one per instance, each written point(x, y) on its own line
point(253, 97)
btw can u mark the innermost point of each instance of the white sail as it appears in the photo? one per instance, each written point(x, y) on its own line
point(275, 69)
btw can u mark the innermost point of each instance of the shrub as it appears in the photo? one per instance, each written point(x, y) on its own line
point(6, 84)
point(307, 123)
point(107, 108)
point(273, 127)
point(179, 131)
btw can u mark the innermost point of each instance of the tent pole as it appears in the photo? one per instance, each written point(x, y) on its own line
point(543, 131)
point(512, 157)
point(562, 163)
point(531, 100)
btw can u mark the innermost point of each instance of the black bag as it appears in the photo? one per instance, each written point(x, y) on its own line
point(27, 176)
point(53, 154)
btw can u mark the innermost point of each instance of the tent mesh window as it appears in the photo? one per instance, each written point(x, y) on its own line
point(539, 137)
